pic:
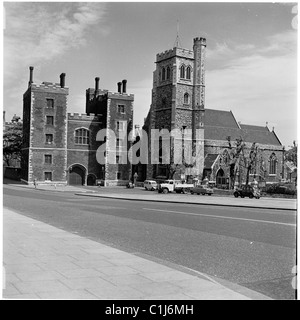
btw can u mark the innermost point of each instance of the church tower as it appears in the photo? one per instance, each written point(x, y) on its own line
point(178, 98)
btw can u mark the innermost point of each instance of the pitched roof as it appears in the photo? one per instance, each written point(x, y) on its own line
point(219, 118)
point(250, 127)
point(209, 160)
point(218, 125)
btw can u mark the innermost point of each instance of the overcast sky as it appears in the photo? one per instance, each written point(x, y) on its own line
point(251, 65)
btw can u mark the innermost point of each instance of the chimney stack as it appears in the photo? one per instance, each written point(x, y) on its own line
point(62, 80)
point(119, 87)
point(124, 86)
point(97, 84)
point(30, 76)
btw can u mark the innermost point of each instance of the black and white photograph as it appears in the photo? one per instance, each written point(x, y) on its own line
point(149, 153)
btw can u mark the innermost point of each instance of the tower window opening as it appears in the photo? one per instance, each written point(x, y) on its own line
point(186, 98)
point(168, 73)
point(188, 73)
point(163, 77)
point(182, 72)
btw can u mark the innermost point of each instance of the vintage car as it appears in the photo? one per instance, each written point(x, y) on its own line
point(247, 191)
point(202, 189)
point(150, 185)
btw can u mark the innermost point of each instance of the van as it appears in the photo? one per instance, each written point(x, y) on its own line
point(150, 185)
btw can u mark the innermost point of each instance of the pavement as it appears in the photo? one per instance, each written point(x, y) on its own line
point(44, 262)
point(142, 195)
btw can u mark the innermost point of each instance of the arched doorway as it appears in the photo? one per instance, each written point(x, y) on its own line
point(76, 175)
point(91, 180)
point(220, 178)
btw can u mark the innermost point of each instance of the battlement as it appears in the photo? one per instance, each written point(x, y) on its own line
point(49, 86)
point(118, 95)
point(178, 52)
point(84, 116)
point(201, 40)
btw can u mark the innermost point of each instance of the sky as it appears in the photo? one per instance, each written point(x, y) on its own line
point(251, 57)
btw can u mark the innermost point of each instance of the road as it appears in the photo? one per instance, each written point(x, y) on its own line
point(255, 248)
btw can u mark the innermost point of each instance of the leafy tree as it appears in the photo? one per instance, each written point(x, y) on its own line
point(291, 154)
point(12, 142)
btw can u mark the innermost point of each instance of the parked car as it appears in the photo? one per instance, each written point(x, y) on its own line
point(247, 191)
point(150, 185)
point(201, 189)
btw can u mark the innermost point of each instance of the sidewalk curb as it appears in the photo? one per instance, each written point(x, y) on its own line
point(182, 202)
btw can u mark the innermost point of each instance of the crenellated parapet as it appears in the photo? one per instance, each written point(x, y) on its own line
point(122, 96)
point(175, 52)
point(84, 117)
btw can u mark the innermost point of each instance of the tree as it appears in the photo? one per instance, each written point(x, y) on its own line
point(12, 142)
point(291, 154)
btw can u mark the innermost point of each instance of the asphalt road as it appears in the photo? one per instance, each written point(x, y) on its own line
point(255, 248)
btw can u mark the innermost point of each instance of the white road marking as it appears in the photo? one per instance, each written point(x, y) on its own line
point(222, 217)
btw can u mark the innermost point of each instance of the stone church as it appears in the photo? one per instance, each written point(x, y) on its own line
point(178, 102)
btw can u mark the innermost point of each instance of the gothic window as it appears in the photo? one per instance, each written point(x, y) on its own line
point(163, 77)
point(182, 72)
point(168, 73)
point(273, 163)
point(82, 136)
point(186, 98)
point(188, 73)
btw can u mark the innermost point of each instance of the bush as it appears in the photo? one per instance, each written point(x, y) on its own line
point(280, 189)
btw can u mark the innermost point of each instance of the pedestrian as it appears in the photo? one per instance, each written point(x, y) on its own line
point(34, 183)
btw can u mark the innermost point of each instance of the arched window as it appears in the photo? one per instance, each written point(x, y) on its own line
point(188, 73)
point(186, 98)
point(168, 73)
point(273, 164)
point(163, 74)
point(82, 136)
point(182, 72)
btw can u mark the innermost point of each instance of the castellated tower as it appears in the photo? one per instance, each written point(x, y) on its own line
point(178, 101)
point(44, 152)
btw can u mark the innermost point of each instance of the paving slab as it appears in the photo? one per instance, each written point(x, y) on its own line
point(91, 270)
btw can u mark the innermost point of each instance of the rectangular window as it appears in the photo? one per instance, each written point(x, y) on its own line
point(119, 143)
point(48, 176)
point(117, 159)
point(49, 138)
point(82, 136)
point(50, 103)
point(48, 158)
point(121, 108)
point(50, 120)
point(119, 175)
point(121, 125)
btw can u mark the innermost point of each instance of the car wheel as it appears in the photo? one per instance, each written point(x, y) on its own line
point(242, 196)
point(192, 192)
point(209, 194)
point(251, 196)
point(198, 194)
point(203, 193)
point(165, 191)
point(236, 195)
